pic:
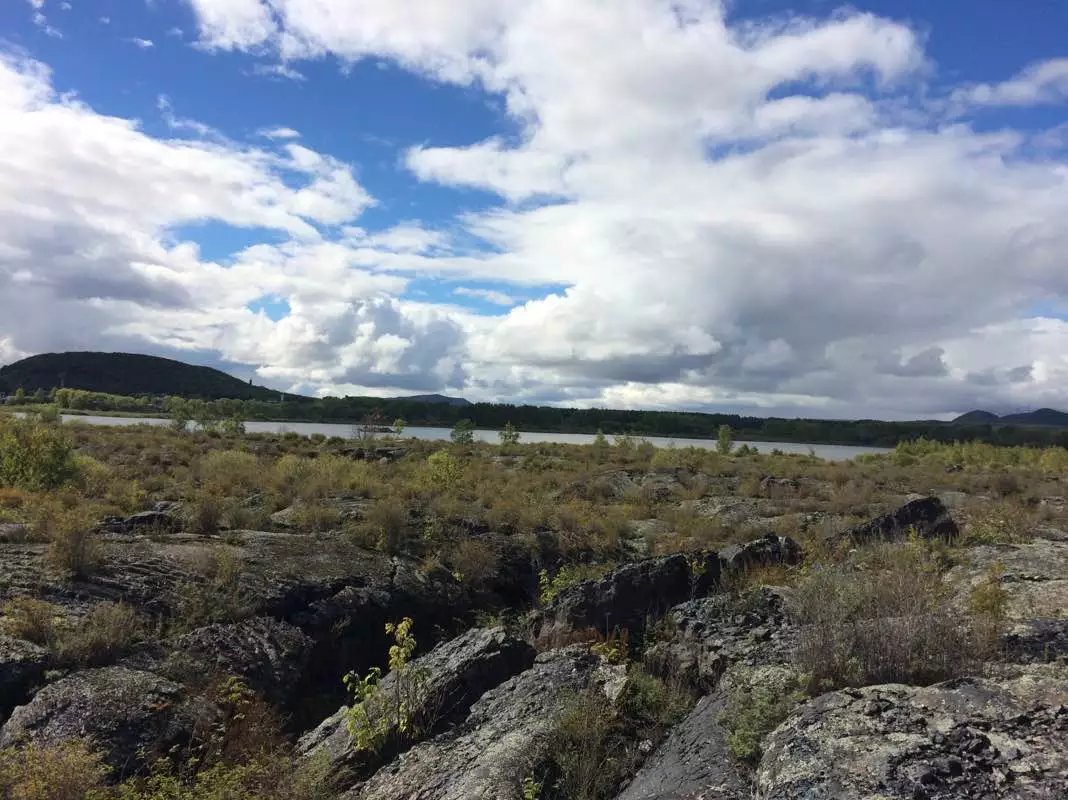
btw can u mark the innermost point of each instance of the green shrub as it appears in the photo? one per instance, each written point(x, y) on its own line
point(886, 619)
point(569, 575)
point(204, 514)
point(32, 619)
point(444, 470)
point(71, 770)
point(402, 712)
point(755, 709)
point(106, 633)
point(586, 748)
point(74, 545)
point(34, 455)
point(230, 472)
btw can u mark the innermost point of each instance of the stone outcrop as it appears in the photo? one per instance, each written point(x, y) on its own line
point(926, 517)
point(452, 677)
point(642, 590)
point(505, 736)
point(767, 550)
point(970, 737)
point(164, 517)
point(132, 715)
point(693, 762)
point(712, 633)
point(268, 654)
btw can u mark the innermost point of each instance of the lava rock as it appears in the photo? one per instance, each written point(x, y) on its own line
point(270, 655)
point(505, 736)
point(132, 715)
point(969, 737)
point(455, 675)
point(22, 665)
point(926, 516)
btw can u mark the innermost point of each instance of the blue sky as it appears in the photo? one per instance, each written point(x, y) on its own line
point(798, 208)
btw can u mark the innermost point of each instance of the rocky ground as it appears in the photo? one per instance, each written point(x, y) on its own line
point(299, 611)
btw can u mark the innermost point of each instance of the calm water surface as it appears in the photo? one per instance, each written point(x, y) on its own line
point(832, 452)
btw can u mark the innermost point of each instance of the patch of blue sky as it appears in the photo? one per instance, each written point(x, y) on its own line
point(275, 307)
point(1051, 308)
point(220, 242)
point(488, 298)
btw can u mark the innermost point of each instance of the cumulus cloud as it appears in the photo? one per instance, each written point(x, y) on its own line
point(1039, 84)
point(742, 213)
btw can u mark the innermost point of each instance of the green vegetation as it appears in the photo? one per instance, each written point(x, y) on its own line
point(561, 513)
point(118, 382)
point(755, 708)
point(403, 711)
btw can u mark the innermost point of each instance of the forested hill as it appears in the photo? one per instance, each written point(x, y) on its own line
point(126, 374)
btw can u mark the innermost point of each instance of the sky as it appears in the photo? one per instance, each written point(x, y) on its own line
point(773, 208)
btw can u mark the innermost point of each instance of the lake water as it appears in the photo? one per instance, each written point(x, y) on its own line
point(831, 452)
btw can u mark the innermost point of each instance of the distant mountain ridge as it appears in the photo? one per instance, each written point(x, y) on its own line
point(136, 374)
point(1047, 417)
point(127, 374)
point(436, 398)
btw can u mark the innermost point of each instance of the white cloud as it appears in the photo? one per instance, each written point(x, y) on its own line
point(280, 132)
point(489, 295)
point(280, 71)
point(143, 44)
point(751, 214)
point(1040, 84)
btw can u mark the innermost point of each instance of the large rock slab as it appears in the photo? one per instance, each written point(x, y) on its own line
point(268, 654)
point(633, 594)
point(693, 762)
point(926, 517)
point(1033, 574)
point(132, 715)
point(456, 674)
point(970, 737)
point(711, 634)
point(503, 739)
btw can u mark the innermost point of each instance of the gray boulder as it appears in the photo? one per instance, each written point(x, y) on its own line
point(270, 655)
point(132, 715)
point(693, 762)
point(455, 675)
point(970, 737)
point(927, 516)
point(768, 549)
point(504, 738)
point(626, 597)
point(22, 665)
point(711, 634)
point(646, 589)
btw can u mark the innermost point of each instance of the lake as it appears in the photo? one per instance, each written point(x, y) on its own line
point(831, 452)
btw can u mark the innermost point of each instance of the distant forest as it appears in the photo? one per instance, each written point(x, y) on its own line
point(678, 424)
point(141, 384)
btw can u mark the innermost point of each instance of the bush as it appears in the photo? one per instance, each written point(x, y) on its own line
point(405, 711)
point(106, 633)
point(34, 455)
point(586, 748)
point(474, 561)
point(73, 543)
point(755, 708)
point(387, 521)
point(444, 470)
point(204, 514)
point(70, 770)
point(568, 575)
point(886, 620)
point(31, 619)
point(230, 472)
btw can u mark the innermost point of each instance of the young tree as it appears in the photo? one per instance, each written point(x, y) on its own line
point(398, 426)
point(724, 440)
point(509, 436)
point(463, 432)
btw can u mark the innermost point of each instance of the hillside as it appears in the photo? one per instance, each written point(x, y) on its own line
point(1045, 417)
point(436, 398)
point(126, 374)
